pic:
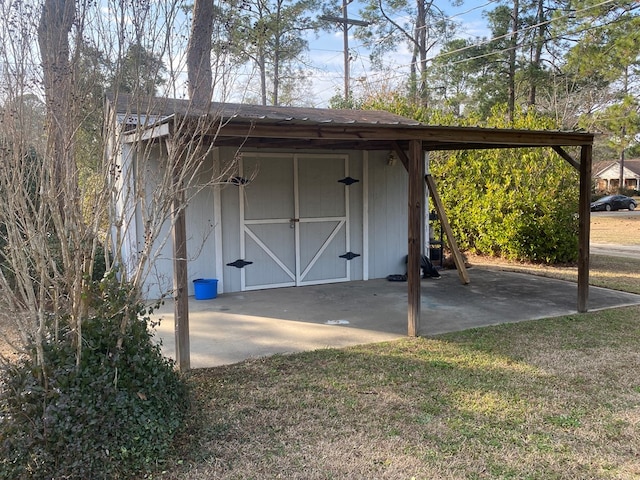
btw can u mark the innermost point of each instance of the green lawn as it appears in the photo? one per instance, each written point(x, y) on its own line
point(547, 399)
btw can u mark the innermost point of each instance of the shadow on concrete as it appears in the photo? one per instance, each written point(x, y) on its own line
point(237, 326)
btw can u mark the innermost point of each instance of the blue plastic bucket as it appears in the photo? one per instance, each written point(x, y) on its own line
point(205, 288)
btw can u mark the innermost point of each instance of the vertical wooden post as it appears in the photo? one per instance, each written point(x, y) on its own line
point(180, 282)
point(180, 289)
point(584, 223)
point(416, 198)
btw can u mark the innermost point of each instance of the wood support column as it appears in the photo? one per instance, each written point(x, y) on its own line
point(584, 219)
point(416, 208)
point(180, 282)
point(181, 288)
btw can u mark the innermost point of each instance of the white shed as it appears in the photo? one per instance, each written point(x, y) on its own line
point(300, 195)
point(272, 216)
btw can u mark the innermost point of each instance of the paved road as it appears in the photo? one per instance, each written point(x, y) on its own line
point(617, 213)
point(626, 251)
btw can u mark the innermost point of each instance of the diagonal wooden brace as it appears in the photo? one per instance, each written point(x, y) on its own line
point(453, 245)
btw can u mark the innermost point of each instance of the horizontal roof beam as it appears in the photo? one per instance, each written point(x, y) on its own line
point(440, 138)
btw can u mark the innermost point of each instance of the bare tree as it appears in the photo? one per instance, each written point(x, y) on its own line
point(56, 60)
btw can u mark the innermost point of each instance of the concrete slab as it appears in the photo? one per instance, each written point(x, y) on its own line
point(237, 326)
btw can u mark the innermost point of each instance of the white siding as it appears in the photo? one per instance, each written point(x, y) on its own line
point(200, 217)
point(385, 196)
point(388, 204)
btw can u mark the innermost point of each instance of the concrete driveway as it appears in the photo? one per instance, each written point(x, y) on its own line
point(237, 326)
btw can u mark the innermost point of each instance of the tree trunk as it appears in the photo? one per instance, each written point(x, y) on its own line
point(199, 53)
point(59, 187)
point(537, 53)
point(512, 58)
point(276, 74)
point(421, 46)
point(55, 25)
point(262, 65)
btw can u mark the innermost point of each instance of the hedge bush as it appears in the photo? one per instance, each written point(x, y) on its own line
point(515, 203)
point(113, 417)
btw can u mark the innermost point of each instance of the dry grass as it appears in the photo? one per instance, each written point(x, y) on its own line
point(548, 399)
point(622, 228)
point(552, 399)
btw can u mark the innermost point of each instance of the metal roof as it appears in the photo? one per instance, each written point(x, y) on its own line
point(268, 114)
point(295, 128)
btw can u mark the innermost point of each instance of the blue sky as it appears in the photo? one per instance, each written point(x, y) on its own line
point(327, 57)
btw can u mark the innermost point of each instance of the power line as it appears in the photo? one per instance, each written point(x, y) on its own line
point(493, 39)
point(579, 30)
point(523, 30)
point(477, 7)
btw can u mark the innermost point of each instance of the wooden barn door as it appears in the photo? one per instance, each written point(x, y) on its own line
point(322, 225)
point(294, 220)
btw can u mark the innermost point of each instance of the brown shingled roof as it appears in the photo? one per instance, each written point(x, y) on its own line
point(294, 127)
point(165, 107)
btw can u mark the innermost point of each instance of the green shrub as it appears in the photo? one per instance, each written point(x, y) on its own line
point(112, 417)
point(515, 203)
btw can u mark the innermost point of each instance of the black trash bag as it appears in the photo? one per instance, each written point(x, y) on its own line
point(428, 270)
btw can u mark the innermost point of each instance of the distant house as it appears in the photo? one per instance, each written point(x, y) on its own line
point(606, 175)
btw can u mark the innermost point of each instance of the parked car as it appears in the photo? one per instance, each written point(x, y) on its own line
point(613, 202)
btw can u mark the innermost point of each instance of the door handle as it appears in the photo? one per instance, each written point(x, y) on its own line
point(292, 222)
